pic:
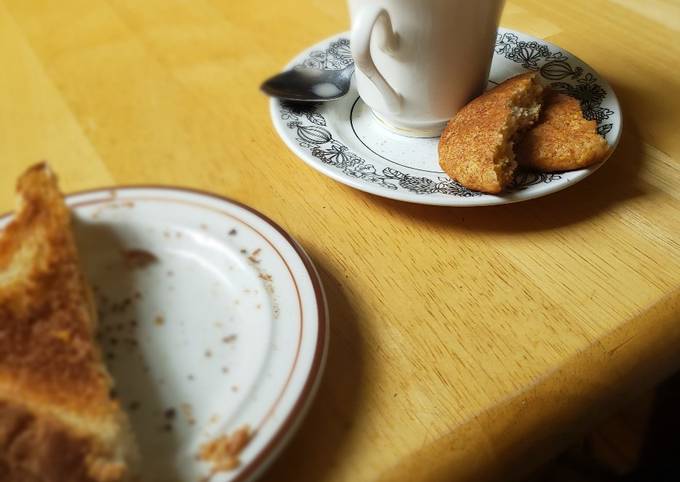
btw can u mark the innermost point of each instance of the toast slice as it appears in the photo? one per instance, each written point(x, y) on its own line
point(476, 147)
point(562, 139)
point(58, 421)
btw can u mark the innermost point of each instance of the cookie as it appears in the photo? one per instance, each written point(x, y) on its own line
point(562, 139)
point(476, 147)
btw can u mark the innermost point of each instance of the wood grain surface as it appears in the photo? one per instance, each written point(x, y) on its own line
point(466, 344)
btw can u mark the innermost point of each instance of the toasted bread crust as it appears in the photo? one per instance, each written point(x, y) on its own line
point(46, 330)
point(563, 139)
point(475, 149)
point(38, 448)
point(54, 389)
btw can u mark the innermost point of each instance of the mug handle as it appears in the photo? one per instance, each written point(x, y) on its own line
point(362, 30)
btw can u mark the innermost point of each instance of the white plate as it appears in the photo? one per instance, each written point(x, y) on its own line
point(342, 140)
point(228, 328)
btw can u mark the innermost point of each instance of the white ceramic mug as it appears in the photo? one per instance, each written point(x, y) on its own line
point(419, 61)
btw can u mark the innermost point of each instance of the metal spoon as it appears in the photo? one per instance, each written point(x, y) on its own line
point(304, 84)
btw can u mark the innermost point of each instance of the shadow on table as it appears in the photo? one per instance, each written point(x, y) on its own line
point(319, 444)
point(618, 180)
point(639, 444)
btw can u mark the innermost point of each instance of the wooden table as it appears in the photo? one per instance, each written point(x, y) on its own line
point(467, 344)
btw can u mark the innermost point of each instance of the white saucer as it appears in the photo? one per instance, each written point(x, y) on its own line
point(227, 328)
point(343, 140)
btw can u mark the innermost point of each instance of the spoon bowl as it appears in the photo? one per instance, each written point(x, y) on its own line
point(304, 84)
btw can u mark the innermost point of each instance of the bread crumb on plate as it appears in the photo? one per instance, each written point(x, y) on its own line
point(223, 452)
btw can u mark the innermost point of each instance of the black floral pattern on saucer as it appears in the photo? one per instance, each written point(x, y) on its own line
point(311, 131)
